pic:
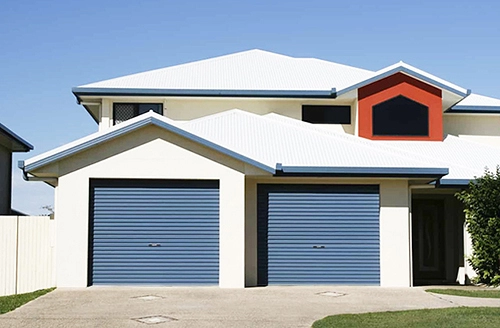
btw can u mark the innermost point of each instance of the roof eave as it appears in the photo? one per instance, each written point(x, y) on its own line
point(463, 109)
point(406, 70)
point(452, 183)
point(313, 94)
point(134, 126)
point(386, 172)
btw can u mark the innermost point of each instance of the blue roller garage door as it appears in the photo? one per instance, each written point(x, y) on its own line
point(154, 232)
point(318, 234)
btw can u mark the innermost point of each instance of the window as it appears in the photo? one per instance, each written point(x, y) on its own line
point(400, 116)
point(126, 111)
point(326, 114)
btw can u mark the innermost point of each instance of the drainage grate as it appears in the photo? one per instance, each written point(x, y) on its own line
point(332, 294)
point(154, 319)
point(148, 297)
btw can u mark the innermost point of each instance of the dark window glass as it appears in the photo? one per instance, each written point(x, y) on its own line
point(123, 111)
point(326, 114)
point(400, 116)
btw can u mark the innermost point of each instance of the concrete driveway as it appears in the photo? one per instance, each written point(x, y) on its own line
point(215, 307)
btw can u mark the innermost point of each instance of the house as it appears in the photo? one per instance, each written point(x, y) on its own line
point(257, 169)
point(9, 143)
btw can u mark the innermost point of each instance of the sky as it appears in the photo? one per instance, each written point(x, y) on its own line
point(48, 47)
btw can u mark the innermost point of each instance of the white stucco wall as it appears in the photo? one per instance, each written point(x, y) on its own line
point(184, 109)
point(480, 128)
point(251, 232)
point(143, 155)
point(395, 251)
point(468, 250)
point(106, 115)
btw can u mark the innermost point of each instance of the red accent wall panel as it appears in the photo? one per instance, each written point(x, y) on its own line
point(393, 86)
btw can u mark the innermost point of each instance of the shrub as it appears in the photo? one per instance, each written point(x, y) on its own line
point(482, 216)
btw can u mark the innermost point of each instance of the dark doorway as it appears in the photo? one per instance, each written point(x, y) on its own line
point(428, 242)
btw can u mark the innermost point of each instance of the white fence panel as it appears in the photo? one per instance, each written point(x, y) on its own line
point(35, 254)
point(8, 245)
point(26, 254)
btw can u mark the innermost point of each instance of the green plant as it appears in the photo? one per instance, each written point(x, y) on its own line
point(482, 216)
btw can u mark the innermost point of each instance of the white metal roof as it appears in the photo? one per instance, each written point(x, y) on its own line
point(465, 159)
point(248, 70)
point(261, 73)
point(272, 139)
point(258, 140)
point(448, 153)
point(475, 101)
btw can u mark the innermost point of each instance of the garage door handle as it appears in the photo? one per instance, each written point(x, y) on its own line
point(318, 246)
point(154, 245)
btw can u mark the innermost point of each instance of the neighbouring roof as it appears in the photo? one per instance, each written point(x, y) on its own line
point(276, 147)
point(12, 141)
point(475, 103)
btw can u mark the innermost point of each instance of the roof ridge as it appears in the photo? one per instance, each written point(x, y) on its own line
point(320, 131)
point(336, 63)
point(221, 114)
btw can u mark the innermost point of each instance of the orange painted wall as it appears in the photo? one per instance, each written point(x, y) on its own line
point(393, 86)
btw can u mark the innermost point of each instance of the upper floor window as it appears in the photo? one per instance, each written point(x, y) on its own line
point(126, 111)
point(326, 114)
point(400, 116)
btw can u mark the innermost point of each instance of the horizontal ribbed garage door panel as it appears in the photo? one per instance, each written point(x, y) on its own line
point(342, 219)
point(181, 216)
